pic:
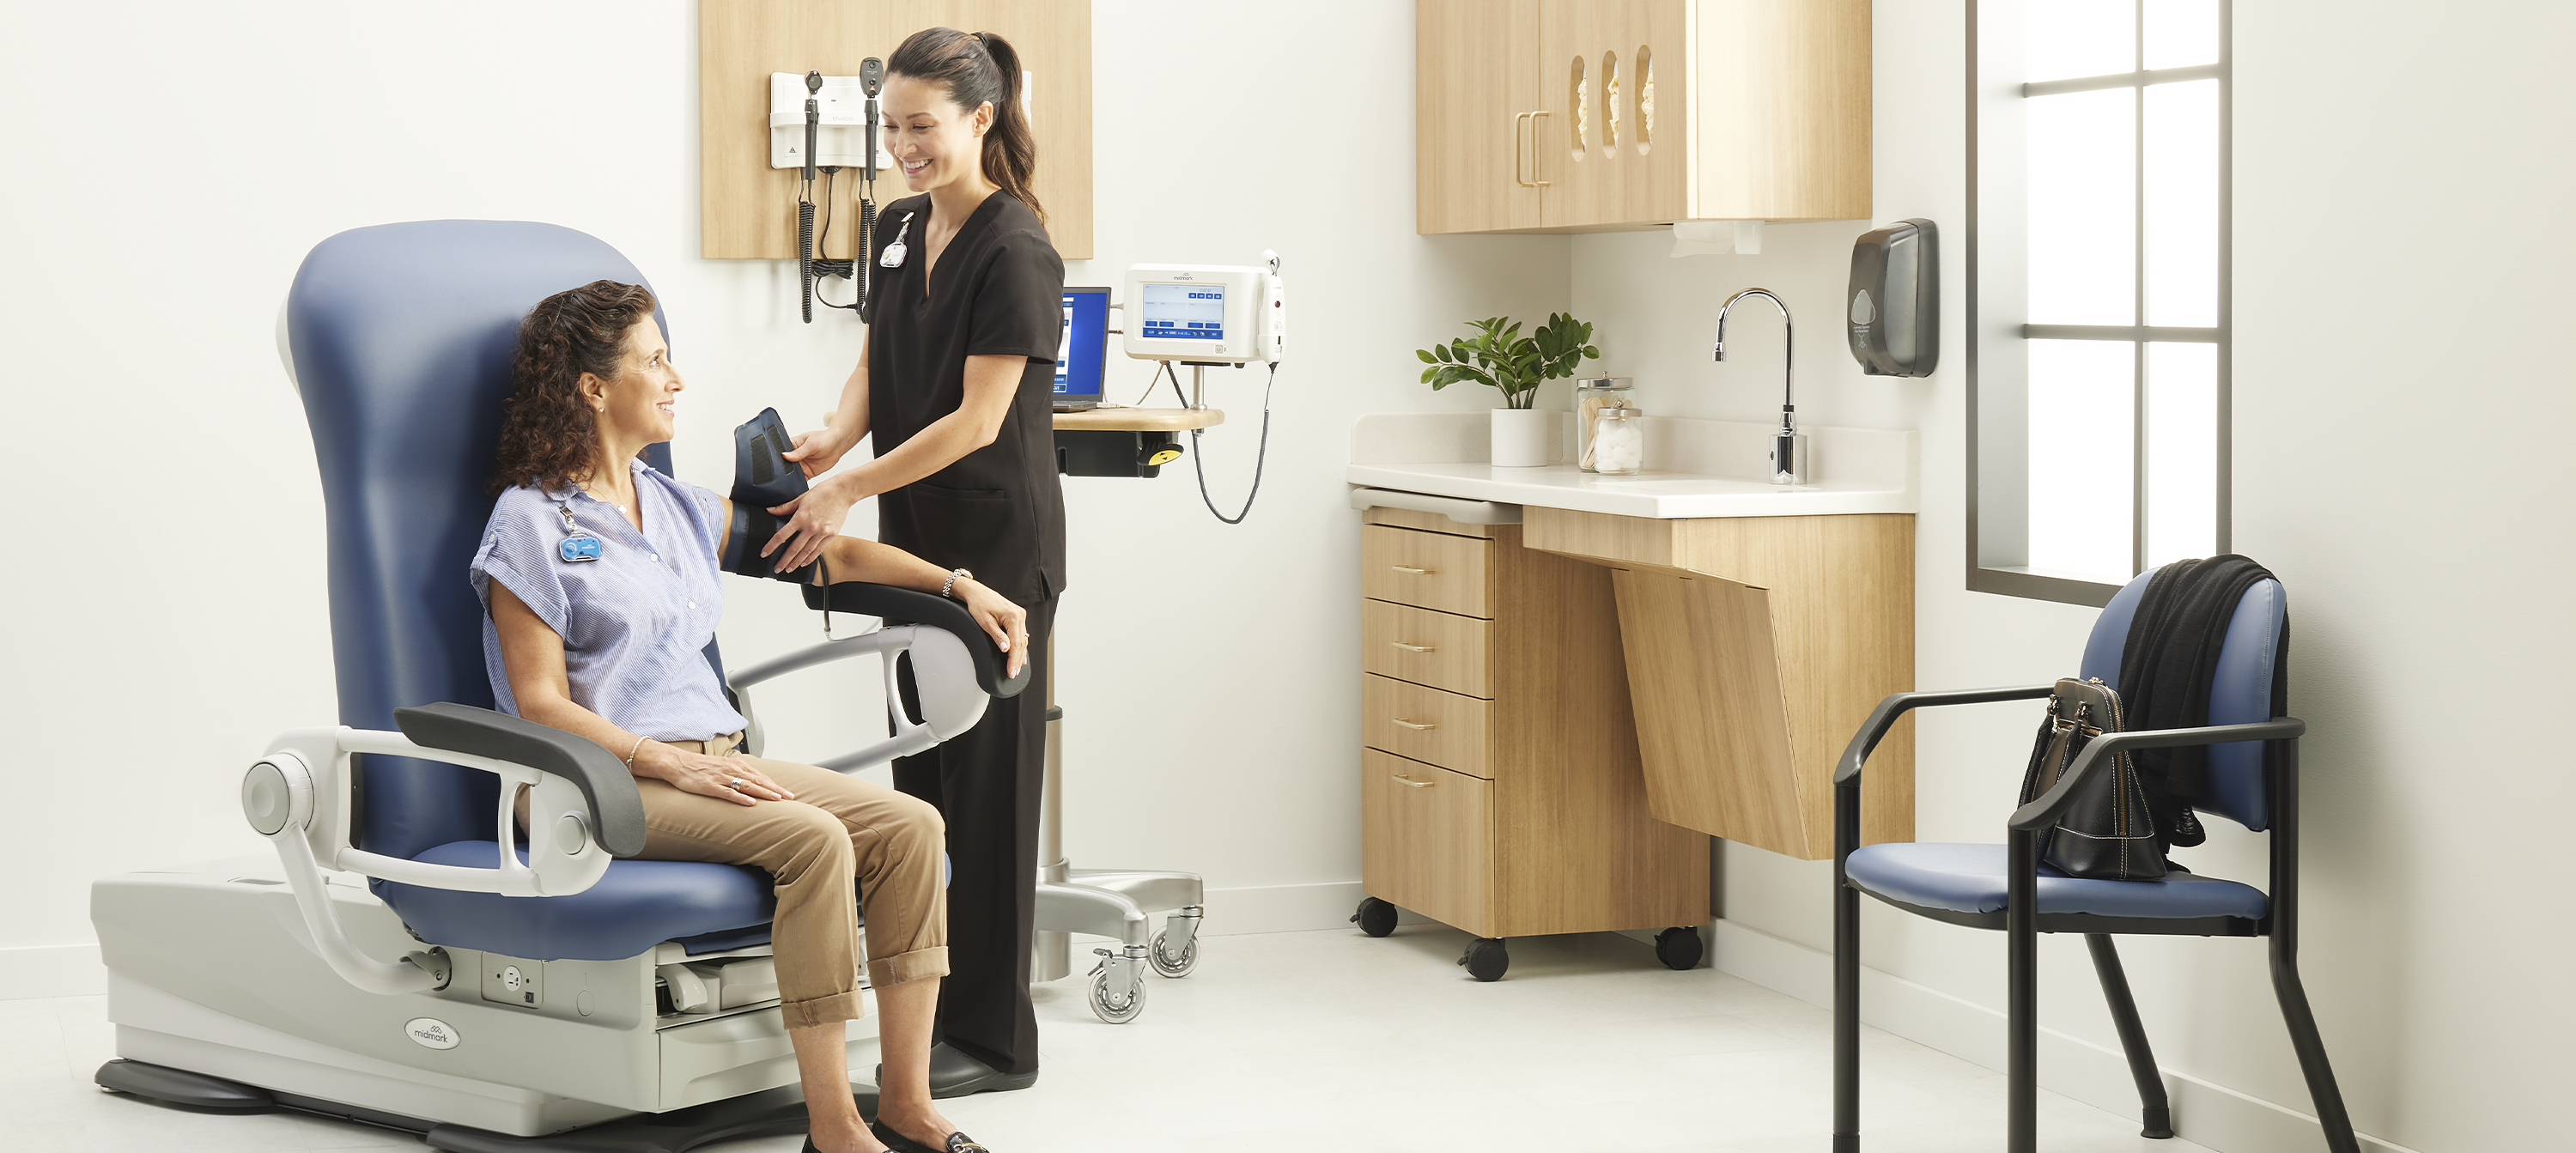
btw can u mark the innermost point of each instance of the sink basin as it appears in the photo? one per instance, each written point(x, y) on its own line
point(1705, 468)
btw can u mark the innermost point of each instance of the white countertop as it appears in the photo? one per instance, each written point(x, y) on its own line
point(1705, 468)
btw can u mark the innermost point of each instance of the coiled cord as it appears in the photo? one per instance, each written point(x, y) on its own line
point(1261, 458)
point(805, 254)
point(854, 269)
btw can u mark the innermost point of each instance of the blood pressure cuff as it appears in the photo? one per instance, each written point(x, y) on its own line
point(761, 481)
point(751, 528)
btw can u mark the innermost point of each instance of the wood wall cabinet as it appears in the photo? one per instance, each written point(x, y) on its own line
point(747, 210)
point(1601, 115)
point(1500, 786)
point(1755, 647)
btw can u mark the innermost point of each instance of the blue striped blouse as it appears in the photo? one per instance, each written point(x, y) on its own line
point(635, 621)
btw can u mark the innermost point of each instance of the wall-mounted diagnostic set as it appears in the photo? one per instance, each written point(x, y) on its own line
point(1894, 306)
point(828, 123)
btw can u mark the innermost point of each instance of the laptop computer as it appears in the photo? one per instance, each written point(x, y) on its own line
point(1081, 360)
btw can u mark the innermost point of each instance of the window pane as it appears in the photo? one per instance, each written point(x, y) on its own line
point(2082, 417)
point(2182, 451)
point(2083, 207)
point(2067, 38)
point(2181, 33)
point(2182, 204)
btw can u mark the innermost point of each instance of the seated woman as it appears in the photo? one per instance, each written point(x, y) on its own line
point(609, 645)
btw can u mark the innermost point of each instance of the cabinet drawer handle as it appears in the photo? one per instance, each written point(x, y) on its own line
point(1413, 648)
point(1409, 570)
point(1416, 726)
point(1538, 149)
point(1519, 159)
point(1410, 783)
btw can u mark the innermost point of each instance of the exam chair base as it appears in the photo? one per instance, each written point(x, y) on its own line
point(765, 1114)
point(211, 979)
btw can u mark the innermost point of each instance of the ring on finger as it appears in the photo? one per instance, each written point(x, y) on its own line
point(734, 783)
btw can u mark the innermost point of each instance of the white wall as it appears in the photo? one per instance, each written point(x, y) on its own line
point(155, 650)
point(2398, 288)
point(2380, 152)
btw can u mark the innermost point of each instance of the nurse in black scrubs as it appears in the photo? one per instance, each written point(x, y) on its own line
point(955, 379)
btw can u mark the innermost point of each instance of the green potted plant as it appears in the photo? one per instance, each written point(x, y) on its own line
point(1515, 365)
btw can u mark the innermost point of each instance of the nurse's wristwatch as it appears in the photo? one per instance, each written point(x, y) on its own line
point(951, 582)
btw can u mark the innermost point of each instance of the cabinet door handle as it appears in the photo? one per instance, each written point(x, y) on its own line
point(1410, 783)
point(1409, 570)
point(1416, 726)
point(1413, 648)
point(1518, 159)
point(1538, 148)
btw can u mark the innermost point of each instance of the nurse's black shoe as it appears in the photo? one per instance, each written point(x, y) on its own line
point(956, 1073)
point(956, 1142)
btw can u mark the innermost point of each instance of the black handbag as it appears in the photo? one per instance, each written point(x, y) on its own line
point(2109, 833)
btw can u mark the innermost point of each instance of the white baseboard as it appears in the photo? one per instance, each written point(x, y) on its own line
point(2204, 1112)
point(51, 971)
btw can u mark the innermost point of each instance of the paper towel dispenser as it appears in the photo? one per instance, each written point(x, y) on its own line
point(1895, 299)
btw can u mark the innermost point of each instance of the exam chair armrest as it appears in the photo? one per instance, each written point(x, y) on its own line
point(607, 786)
point(2044, 811)
point(1883, 718)
point(900, 606)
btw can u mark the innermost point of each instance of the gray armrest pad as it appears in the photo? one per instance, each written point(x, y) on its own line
point(616, 812)
point(906, 606)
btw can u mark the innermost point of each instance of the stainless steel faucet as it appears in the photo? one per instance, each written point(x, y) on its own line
point(1788, 445)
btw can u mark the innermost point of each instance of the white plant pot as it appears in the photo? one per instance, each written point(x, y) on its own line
point(1520, 436)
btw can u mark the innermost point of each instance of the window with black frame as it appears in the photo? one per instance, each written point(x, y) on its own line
point(2097, 282)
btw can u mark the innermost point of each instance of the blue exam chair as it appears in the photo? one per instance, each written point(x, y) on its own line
point(543, 987)
point(2253, 779)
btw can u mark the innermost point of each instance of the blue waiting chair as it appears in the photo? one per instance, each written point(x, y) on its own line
point(2253, 779)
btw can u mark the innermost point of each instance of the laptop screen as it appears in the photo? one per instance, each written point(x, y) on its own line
point(1083, 354)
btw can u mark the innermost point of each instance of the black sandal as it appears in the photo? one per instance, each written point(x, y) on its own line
point(956, 1143)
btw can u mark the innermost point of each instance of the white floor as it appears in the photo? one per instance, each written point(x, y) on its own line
point(1297, 1041)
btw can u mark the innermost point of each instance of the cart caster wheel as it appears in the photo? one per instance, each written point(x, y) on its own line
point(1485, 959)
point(1375, 918)
point(1172, 966)
point(1678, 948)
point(1117, 987)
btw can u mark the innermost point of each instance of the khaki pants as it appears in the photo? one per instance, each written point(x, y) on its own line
point(837, 830)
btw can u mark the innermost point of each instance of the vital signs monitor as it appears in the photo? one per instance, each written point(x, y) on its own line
point(1206, 313)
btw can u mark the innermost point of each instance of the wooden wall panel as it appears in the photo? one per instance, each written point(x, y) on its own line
point(748, 210)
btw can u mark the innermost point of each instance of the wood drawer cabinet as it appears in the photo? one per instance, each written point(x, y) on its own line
point(1501, 786)
point(1427, 834)
point(1426, 647)
point(1448, 729)
point(1602, 115)
point(1428, 569)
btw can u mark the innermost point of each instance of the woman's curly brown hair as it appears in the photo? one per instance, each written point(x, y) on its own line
point(548, 435)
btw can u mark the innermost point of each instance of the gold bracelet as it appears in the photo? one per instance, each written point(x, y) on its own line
point(630, 753)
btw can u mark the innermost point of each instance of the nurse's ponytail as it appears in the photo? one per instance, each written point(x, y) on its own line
point(980, 68)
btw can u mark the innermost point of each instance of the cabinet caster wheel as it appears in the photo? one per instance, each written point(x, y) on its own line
point(1485, 959)
point(1375, 918)
point(1174, 966)
point(1118, 986)
point(1679, 947)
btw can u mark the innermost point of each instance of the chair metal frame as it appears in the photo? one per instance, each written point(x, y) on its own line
point(2022, 928)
